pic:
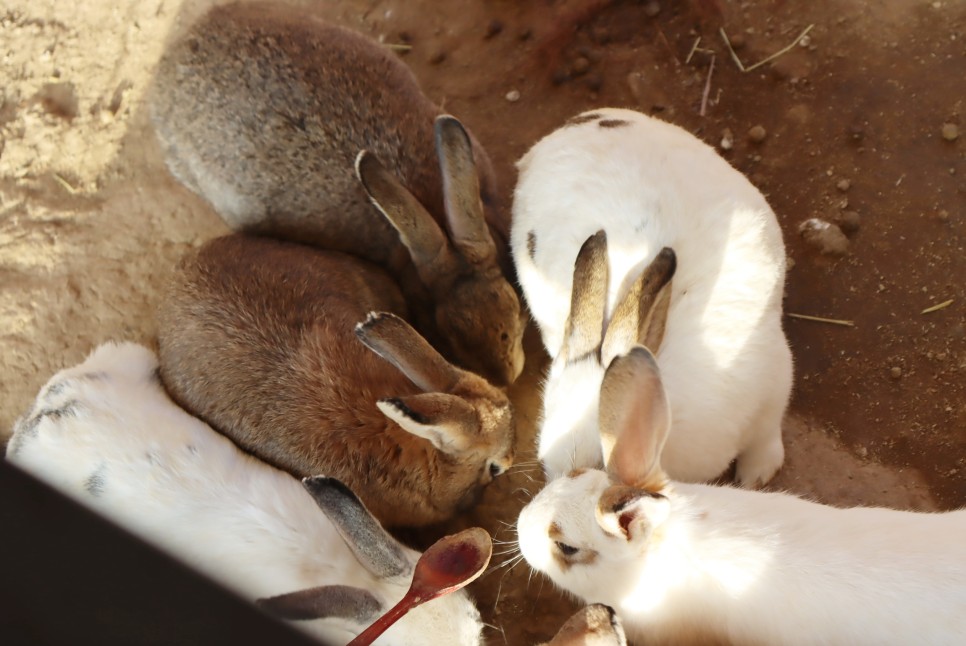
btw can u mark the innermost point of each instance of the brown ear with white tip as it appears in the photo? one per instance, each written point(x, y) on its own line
point(635, 419)
point(461, 193)
point(641, 317)
point(427, 243)
point(588, 300)
point(397, 342)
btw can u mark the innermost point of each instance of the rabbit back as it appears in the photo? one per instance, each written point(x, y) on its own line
point(262, 109)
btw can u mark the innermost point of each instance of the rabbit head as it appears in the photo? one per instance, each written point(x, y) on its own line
point(568, 436)
point(477, 312)
point(588, 526)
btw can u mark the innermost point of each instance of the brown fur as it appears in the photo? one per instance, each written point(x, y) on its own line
point(594, 625)
point(262, 109)
point(258, 338)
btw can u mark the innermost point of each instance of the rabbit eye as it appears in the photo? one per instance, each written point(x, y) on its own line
point(566, 550)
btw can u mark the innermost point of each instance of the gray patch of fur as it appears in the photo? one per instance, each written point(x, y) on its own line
point(613, 123)
point(94, 484)
point(583, 118)
point(532, 244)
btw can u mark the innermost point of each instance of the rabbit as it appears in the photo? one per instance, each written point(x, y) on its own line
point(651, 185)
point(593, 625)
point(259, 338)
point(262, 108)
point(695, 563)
point(106, 434)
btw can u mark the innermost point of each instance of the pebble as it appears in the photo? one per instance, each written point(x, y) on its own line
point(59, 99)
point(862, 451)
point(494, 27)
point(757, 134)
point(824, 236)
point(950, 131)
point(848, 221)
point(652, 8)
point(513, 96)
point(727, 139)
point(843, 185)
point(895, 372)
point(580, 66)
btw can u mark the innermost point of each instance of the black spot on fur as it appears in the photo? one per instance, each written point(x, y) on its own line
point(94, 485)
point(613, 123)
point(68, 409)
point(406, 410)
point(583, 118)
point(156, 375)
point(531, 244)
point(94, 376)
point(593, 354)
point(55, 389)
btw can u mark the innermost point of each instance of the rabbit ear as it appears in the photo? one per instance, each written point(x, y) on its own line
point(374, 548)
point(635, 419)
point(594, 625)
point(341, 601)
point(631, 512)
point(641, 317)
point(398, 343)
point(447, 421)
point(427, 244)
point(588, 299)
point(461, 192)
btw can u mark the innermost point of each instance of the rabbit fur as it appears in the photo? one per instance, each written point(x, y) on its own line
point(693, 563)
point(262, 108)
point(593, 625)
point(259, 338)
point(106, 434)
point(726, 363)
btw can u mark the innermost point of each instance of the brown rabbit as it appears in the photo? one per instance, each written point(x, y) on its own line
point(259, 338)
point(262, 109)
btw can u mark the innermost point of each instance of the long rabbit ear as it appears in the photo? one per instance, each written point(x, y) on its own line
point(342, 601)
point(427, 243)
point(635, 419)
point(641, 317)
point(398, 343)
point(373, 547)
point(449, 422)
point(461, 193)
point(588, 299)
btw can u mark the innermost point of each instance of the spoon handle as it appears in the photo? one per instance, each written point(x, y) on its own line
point(381, 625)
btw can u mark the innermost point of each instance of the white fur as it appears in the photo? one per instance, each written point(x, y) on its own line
point(725, 360)
point(745, 567)
point(106, 433)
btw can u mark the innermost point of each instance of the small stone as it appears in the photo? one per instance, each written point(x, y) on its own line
point(950, 131)
point(560, 77)
point(737, 41)
point(579, 66)
point(635, 83)
point(824, 236)
point(848, 221)
point(493, 28)
point(895, 372)
point(757, 134)
point(652, 8)
point(727, 139)
point(861, 451)
point(843, 185)
point(438, 57)
point(594, 81)
point(513, 96)
point(59, 99)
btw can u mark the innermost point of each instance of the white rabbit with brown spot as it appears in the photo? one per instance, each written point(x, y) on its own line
point(700, 564)
point(106, 434)
point(262, 109)
point(649, 185)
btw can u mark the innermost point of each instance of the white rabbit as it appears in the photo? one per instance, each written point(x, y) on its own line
point(105, 433)
point(694, 563)
point(649, 185)
point(594, 625)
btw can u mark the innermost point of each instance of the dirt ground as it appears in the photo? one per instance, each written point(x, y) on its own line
point(858, 124)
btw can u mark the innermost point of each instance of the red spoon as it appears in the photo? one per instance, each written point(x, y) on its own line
point(449, 564)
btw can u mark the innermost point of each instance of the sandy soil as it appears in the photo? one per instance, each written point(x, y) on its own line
point(857, 126)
